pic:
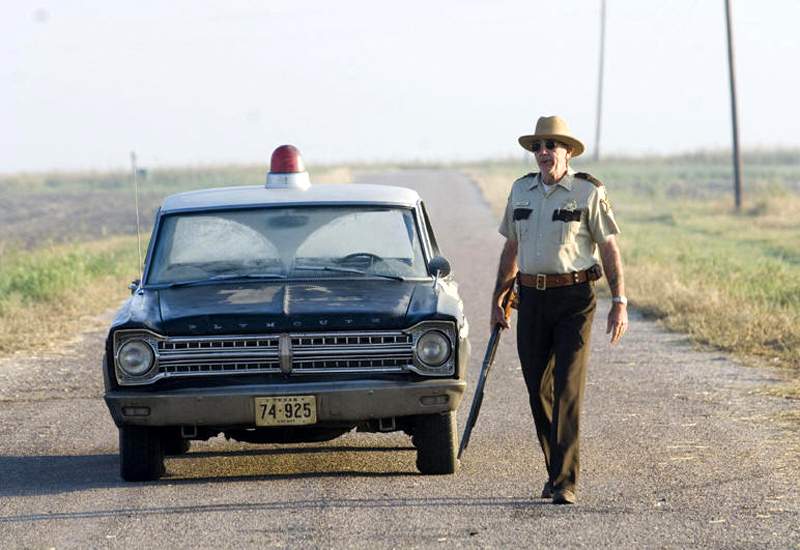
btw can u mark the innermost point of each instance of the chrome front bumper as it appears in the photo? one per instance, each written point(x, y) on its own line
point(234, 406)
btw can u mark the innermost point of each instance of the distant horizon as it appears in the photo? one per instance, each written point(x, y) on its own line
point(720, 155)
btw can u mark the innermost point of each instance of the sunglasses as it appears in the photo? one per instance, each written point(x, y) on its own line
point(549, 144)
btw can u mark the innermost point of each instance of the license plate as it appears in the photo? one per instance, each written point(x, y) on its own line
point(286, 410)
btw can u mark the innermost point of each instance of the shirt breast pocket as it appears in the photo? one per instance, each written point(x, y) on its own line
point(521, 219)
point(569, 223)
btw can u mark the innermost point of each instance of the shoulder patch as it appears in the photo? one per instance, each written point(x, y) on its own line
point(531, 174)
point(590, 178)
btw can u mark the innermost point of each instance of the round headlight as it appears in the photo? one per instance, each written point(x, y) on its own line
point(135, 357)
point(433, 348)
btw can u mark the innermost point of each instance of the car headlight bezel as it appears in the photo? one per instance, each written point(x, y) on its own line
point(133, 347)
point(426, 344)
point(434, 329)
point(136, 377)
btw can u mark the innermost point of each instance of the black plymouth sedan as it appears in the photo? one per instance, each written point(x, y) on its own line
point(284, 314)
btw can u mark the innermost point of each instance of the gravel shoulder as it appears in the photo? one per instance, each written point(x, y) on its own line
point(680, 448)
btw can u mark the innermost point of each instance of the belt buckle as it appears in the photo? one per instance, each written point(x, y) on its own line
point(541, 281)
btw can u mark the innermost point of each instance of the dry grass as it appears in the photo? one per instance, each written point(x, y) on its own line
point(54, 293)
point(47, 326)
point(712, 316)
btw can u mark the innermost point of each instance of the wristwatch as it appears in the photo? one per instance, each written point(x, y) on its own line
point(619, 300)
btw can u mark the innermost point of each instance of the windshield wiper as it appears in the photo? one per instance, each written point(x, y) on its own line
point(348, 270)
point(225, 277)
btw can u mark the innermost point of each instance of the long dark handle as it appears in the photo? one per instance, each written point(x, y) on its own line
point(488, 360)
point(477, 400)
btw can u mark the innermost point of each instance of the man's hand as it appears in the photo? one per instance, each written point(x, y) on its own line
point(506, 272)
point(499, 317)
point(612, 266)
point(617, 322)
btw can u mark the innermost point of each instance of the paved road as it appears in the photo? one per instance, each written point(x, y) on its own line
point(680, 448)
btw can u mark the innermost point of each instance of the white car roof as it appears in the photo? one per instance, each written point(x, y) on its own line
point(318, 194)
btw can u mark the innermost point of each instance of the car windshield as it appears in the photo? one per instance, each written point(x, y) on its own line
point(287, 242)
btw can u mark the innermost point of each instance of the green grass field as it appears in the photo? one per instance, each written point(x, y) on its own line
point(51, 293)
point(729, 280)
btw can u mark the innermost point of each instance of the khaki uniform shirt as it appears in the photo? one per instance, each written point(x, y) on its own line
point(557, 227)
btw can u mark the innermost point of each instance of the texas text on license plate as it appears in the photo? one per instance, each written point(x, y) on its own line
point(286, 410)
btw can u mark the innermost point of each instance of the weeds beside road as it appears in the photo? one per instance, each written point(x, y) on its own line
point(728, 280)
point(48, 295)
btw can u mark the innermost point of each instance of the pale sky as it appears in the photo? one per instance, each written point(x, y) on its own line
point(197, 82)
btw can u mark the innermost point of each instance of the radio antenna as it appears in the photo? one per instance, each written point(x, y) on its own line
point(135, 172)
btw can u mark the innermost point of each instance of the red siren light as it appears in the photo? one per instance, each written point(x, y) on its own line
point(286, 159)
point(287, 170)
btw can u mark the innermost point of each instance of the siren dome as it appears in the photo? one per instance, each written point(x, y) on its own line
point(287, 170)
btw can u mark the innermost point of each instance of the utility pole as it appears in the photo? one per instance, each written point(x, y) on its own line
point(737, 159)
point(600, 80)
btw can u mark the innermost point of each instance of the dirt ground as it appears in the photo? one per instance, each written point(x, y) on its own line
point(32, 220)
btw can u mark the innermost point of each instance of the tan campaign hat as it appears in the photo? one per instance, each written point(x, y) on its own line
point(553, 127)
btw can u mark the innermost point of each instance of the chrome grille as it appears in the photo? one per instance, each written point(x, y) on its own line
point(312, 353)
point(178, 346)
point(218, 368)
point(349, 340)
point(352, 365)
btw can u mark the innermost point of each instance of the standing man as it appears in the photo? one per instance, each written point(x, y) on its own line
point(555, 223)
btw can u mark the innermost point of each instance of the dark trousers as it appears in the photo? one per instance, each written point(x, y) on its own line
point(553, 332)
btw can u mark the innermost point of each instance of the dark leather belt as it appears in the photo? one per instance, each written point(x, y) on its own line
point(541, 281)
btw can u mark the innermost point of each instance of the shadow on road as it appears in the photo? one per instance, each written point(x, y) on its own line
point(509, 503)
point(47, 475)
point(294, 451)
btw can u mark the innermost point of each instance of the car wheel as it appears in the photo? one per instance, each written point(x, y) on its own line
point(436, 440)
point(141, 453)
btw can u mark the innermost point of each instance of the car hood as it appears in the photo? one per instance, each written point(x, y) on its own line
point(299, 306)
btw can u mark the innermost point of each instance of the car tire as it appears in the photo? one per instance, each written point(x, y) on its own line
point(436, 439)
point(141, 453)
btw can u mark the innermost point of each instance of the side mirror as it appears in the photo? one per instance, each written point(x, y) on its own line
point(439, 266)
point(134, 285)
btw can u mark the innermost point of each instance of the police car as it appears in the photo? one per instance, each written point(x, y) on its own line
point(288, 313)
